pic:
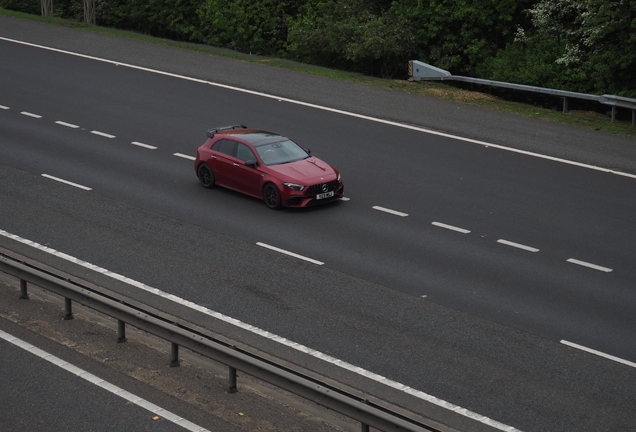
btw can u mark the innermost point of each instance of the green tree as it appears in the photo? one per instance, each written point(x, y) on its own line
point(458, 35)
point(609, 40)
point(259, 27)
point(174, 19)
point(579, 45)
point(25, 6)
point(369, 37)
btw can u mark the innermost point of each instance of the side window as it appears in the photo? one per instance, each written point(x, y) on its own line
point(225, 146)
point(244, 153)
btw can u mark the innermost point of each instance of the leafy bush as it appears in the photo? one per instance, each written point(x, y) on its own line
point(172, 19)
point(458, 35)
point(348, 34)
point(69, 9)
point(25, 6)
point(258, 27)
point(579, 45)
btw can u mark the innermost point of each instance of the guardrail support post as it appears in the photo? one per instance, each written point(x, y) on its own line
point(633, 117)
point(364, 427)
point(68, 309)
point(613, 113)
point(121, 331)
point(565, 105)
point(232, 378)
point(174, 351)
point(23, 290)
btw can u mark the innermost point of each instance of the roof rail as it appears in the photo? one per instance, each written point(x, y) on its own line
point(212, 131)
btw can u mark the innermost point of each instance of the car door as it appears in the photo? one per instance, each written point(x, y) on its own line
point(248, 178)
point(222, 162)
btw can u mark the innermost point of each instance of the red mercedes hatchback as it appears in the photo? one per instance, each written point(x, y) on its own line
point(267, 166)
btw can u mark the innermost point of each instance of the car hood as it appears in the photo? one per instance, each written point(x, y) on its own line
point(305, 170)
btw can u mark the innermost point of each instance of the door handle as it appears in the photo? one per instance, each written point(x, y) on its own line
point(235, 164)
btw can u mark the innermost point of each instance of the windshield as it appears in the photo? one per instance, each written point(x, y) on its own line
point(281, 152)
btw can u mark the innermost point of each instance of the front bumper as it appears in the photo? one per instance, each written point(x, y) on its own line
point(300, 200)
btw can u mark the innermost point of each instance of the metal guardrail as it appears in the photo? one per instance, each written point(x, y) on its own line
point(366, 412)
point(419, 71)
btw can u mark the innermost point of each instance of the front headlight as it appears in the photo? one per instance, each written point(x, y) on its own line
point(338, 176)
point(294, 186)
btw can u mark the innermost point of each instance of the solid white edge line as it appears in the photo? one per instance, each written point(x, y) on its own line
point(450, 227)
point(348, 113)
point(4, 107)
point(66, 182)
point(104, 134)
point(95, 380)
point(30, 114)
point(148, 146)
point(517, 245)
point(386, 210)
point(590, 265)
point(599, 353)
point(295, 255)
point(263, 333)
point(61, 123)
point(181, 155)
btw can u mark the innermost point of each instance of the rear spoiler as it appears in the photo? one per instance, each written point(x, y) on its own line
point(212, 131)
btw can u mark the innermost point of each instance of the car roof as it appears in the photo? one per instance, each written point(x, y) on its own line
point(256, 137)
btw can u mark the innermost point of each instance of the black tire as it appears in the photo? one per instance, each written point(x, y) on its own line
point(206, 178)
point(271, 196)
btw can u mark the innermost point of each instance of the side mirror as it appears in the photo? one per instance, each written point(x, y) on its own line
point(251, 163)
point(308, 151)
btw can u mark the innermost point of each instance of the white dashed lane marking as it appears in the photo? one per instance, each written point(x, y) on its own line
point(295, 255)
point(394, 212)
point(590, 265)
point(450, 227)
point(148, 146)
point(517, 245)
point(66, 182)
point(105, 135)
point(61, 123)
point(599, 353)
point(382, 209)
point(93, 379)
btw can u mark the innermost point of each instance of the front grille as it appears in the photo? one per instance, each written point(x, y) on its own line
point(319, 188)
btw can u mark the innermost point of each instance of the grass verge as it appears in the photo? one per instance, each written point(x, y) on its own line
point(583, 119)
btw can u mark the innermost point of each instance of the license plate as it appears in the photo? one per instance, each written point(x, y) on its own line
point(324, 195)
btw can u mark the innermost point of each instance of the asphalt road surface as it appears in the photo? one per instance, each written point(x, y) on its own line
point(41, 396)
point(485, 261)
